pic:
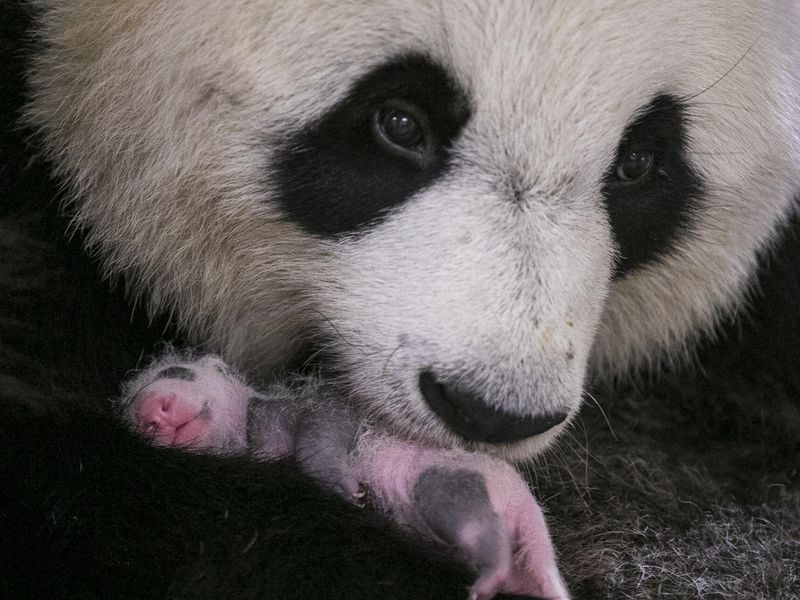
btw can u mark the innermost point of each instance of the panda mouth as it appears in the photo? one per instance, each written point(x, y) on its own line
point(468, 415)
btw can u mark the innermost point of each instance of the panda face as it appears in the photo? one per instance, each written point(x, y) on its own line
point(429, 247)
point(468, 206)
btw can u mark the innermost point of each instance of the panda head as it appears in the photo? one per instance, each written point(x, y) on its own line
point(466, 206)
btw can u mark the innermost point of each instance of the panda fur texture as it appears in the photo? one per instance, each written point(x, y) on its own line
point(229, 170)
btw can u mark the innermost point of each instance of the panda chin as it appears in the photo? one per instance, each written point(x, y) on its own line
point(415, 421)
point(519, 452)
point(523, 451)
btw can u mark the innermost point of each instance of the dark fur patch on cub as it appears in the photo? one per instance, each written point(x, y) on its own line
point(178, 372)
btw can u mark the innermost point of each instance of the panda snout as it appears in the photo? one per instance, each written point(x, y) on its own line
point(467, 414)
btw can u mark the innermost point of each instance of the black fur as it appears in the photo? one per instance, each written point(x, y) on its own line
point(648, 215)
point(336, 177)
point(694, 494)
point(89, 511)
point(176, 372)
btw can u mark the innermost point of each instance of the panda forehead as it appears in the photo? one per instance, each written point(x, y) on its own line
point(544, 79)
point(551, 90)
point(551, 86)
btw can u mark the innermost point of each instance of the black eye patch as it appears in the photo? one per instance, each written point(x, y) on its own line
point(648, 213)
point(338, 176)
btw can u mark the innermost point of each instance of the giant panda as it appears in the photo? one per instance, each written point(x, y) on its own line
point(477, 217)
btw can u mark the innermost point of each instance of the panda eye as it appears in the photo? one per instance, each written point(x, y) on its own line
point(400, 128)
point(403, 130)
point(634, 165)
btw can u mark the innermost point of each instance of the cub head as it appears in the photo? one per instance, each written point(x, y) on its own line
point(467, 207)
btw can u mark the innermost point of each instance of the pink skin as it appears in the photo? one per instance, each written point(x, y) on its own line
point(526, 564)
point(169, 420)
point(475, 503)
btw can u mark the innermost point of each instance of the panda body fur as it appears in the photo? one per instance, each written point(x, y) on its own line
point(166, 119)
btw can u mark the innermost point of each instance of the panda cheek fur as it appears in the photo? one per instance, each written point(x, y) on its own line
point(412, 294)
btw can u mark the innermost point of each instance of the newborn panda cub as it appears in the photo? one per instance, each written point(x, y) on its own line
point(472, 502)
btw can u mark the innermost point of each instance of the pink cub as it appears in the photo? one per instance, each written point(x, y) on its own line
point(476, 504)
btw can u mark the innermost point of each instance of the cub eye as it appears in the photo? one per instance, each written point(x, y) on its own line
point(634, 165)
point(403, 129)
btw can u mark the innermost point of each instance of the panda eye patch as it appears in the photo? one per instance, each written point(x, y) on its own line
point(387, 139)
point(651, 190)
point(634, 165)
point(403, 130)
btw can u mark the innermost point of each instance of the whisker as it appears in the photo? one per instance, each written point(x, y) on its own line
point(723, 105)
point(389, 358)
point(605, 416)
point(339, 333)
point(321, 348)
point(725, 74)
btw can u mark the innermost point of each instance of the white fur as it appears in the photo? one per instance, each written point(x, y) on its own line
point(162, 115)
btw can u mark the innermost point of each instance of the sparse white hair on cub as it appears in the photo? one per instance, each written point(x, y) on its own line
point(170, 121)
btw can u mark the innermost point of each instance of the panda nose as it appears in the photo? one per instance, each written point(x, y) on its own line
point(468, 415)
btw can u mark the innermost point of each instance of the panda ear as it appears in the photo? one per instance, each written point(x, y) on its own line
point(650, 190)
